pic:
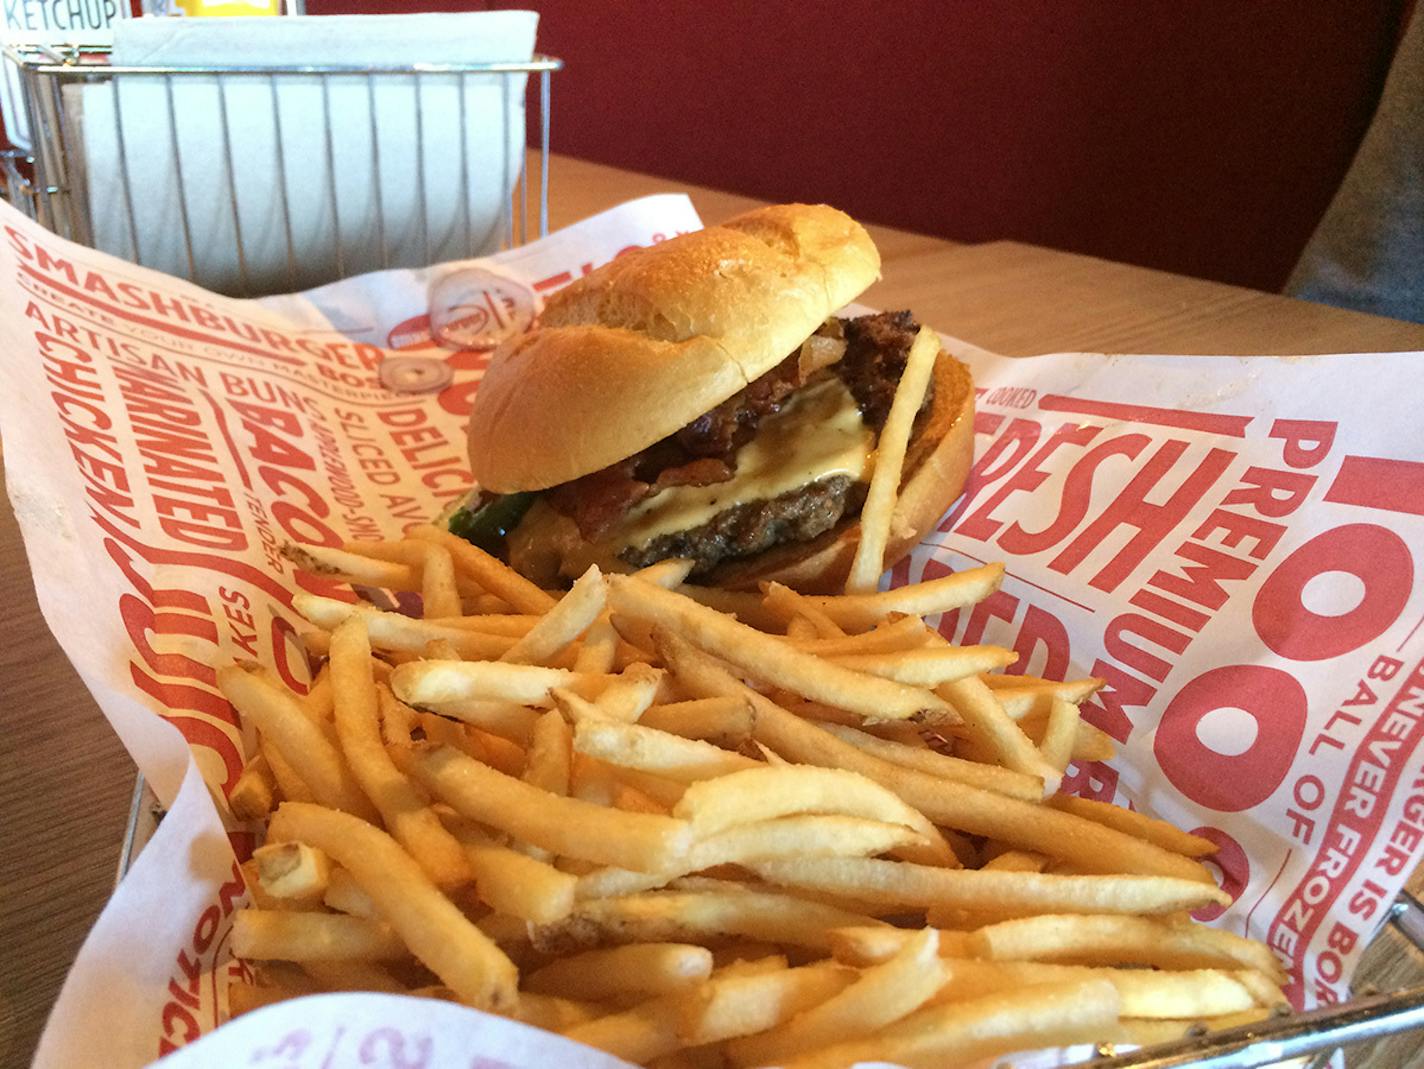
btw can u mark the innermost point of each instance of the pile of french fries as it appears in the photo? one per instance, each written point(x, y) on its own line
point(699, 828)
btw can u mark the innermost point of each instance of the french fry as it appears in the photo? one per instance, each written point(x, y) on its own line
point(954, 919)
point(574, 708)
point(767, 657)
point(398, 720)
point(1088, 743)
point(630, 693)
point(811, 836)
point(744, 951)
point(991, 727)
point(550, 754)
point(567, 826)
point(493, 575)
point(923, 886)
point(1092, 744)
point(633, 631)
point(427, 922)
point(510, 933)
point(345, 895)
point(860, 612)
point(554, 1014)
point(289, 935)
point(1158, 832)
point(754, 966)
point(668, 574)
point(694, 916)
point(889, 461)
point(626, 796)
point(1057, 745)
point(447, 732)
point(497, 751)
point(393, 631)
point(650, 750)
point(746, 1003)
point(1049, 1015)
point(815, 710)
point(315, 642)
point(292, 871)
point(404, 810)
point(800, 629)
point(254, 794)
point(519, 885)
point(260, 898)
point(790, 605)
point(639, 968)
point(903, 633)
point(592, 781)
point(574, 613)
point(317, 700)
point(302, 745)
point(509, 720)
point(599, 649)
point(511, 626)
point(880, 995)
point(438, 594)
point(1016, 861)
point(871, 946)
point(641, 1034)
point(724, 721)
point(761, 794)
point(1144, 992)
point(987, 777)
point(927, 667)
point(438, 682)
point(1118, 940)
point(481, 604)
point(398, 550)
point(1029, 689)
point(352, 567)
point(665, 792)
point(742, 604)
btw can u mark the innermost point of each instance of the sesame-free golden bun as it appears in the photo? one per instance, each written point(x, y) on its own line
point(640, 347)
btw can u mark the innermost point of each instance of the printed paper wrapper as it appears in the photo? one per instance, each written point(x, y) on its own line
point(1232, 543)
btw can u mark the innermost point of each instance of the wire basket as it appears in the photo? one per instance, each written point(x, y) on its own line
point(374, 205)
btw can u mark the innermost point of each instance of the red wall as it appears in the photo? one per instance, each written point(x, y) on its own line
point(1205, 137)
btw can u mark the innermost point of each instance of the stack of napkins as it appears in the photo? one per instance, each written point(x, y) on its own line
point(323, 176)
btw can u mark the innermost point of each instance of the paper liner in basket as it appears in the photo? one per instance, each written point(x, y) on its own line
point(1234, 544)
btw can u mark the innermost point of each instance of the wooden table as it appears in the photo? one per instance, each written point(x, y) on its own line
point(65, 782)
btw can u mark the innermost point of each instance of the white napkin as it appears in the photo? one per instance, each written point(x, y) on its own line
point(391, 141)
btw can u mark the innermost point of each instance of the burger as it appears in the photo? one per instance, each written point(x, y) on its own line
point(702, 399)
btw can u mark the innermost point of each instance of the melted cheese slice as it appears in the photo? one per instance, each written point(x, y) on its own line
point(817, 434)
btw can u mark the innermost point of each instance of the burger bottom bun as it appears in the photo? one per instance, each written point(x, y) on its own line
point(936, 467)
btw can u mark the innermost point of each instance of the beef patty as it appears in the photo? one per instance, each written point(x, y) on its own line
point(747, 529)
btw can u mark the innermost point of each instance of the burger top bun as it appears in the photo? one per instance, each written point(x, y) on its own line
point(642, 346)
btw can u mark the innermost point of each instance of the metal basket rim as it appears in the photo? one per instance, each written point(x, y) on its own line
point(75, 62)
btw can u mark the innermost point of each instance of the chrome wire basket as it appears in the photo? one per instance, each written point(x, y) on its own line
point(302, 175)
